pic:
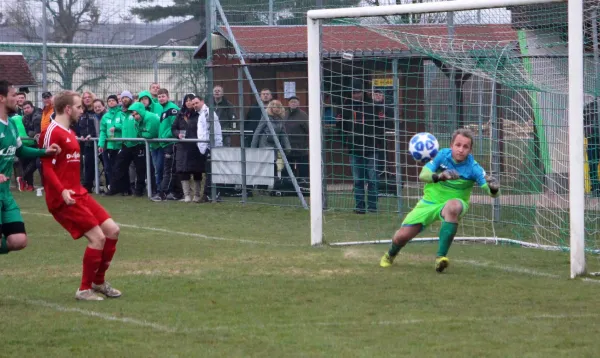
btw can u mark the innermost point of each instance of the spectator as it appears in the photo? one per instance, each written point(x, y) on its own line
point(591, 121)
point(188, 161)
point(32, 121)
point(154, 87)
point(131, 151)
point(87, 128)
point(100, 111)
point(164, 157)
point(145, 97)
point(328, 117)
point(204, 125)
point(225, 111)
point(19, 164)
point(357, 122)
point(21, 98)
point(47, 111)
point(296, 126)
point(148, 122)
point(262, 136)
point(386, 120)
point(255, 115)
point(110, 127)
point(152, 105)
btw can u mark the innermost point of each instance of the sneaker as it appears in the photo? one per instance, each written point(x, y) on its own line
point(107, 290)
point(187, 199)
point(21, 184)
point(157, 198)
point(386, 260)
point(87, 295)
point(441, 263)
point(196, 199)
point(29, 187)
point(171, 196)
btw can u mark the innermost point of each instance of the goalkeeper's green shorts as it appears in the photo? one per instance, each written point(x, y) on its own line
point(426, 213)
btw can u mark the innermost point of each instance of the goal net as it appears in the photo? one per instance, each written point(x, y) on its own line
point(502, 72)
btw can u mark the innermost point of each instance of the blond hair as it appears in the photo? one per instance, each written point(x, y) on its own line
point(64, 99)
point(276, 104)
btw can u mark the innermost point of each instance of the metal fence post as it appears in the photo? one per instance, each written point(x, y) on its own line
point(240, 73)
point(96, 167)
point(148, 169)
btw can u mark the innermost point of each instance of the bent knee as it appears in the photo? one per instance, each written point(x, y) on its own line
point(112, 231)
point(454, 207)
point(16, 242)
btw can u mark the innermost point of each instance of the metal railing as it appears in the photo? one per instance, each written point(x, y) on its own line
point(147, 142)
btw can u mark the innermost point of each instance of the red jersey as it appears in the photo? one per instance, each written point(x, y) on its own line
point(62, 171)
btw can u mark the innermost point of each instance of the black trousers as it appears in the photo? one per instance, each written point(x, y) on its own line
point(170, 183)
point(109, 157)
point(119, 182)
point(89, 172)
point(29, 168)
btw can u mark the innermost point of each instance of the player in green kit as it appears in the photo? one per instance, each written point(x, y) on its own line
point(449, 179)
point(11, 222)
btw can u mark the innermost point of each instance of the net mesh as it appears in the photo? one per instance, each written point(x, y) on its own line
point(503, 73)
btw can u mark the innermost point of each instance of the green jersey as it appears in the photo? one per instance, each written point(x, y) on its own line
point(9, 143)
point(470, 173)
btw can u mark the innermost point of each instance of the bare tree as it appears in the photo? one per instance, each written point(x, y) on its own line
point(66, 20)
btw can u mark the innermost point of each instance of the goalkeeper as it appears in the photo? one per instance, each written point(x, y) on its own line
point(449, 179)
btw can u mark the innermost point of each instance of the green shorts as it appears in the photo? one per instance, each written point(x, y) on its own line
point(426, 213)
point(9, 210)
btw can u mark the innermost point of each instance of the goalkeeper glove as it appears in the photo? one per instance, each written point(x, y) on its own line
point(493, 183)
point(448, 175)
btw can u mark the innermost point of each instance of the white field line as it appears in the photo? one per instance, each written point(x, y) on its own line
point(268, 325)
point(516, 269)
point(182, 233)
point(94, 314)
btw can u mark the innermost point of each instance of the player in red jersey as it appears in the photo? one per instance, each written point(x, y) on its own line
point(71, 205)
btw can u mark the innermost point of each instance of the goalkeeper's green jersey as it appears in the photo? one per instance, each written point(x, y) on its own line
point(470, 173)
point(9, 143)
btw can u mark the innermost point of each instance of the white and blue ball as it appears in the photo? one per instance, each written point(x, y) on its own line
point(423, 147)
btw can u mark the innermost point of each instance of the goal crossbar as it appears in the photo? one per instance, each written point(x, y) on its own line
point(419, 8)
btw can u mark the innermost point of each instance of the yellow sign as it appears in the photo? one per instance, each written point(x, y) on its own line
point(383, 82)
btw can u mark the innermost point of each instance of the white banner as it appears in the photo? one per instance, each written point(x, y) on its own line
point(227, 166)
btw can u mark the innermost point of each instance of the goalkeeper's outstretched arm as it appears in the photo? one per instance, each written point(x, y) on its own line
point(491, 186)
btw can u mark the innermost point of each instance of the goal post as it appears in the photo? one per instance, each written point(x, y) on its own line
point(509, 68)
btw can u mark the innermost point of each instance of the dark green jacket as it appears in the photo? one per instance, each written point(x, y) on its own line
point(170, 111)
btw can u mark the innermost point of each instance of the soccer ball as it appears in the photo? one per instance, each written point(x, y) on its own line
point(423, 147)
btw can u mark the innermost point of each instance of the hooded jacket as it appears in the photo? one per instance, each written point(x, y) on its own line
point(110, 119)
point(154, 106)
point(148, 124)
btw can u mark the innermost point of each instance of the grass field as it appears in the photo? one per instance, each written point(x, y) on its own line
point(223, 280)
